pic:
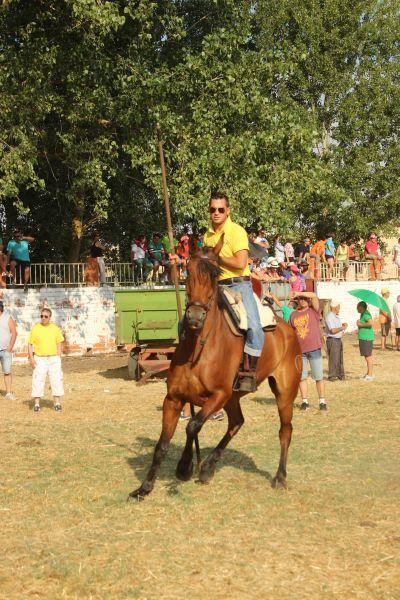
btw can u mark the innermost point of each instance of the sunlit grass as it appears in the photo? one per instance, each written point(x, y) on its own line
point(67, 531)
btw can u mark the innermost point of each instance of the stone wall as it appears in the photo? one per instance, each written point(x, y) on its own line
point(86, 316)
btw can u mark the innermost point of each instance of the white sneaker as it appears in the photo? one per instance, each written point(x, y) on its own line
point(367, 378)
point(10, 396)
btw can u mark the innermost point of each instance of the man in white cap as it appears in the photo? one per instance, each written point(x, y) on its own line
point(334, 329)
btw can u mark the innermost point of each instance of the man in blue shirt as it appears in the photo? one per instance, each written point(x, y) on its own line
point(330, 254)
point(18, 256)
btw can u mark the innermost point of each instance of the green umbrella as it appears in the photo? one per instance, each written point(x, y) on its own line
point(371, 298)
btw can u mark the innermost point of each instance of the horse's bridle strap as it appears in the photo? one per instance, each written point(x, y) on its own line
point(202, 305)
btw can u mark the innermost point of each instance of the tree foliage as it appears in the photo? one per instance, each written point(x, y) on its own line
point(292, 107)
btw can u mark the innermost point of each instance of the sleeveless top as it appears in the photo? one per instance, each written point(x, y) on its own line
point(342, 254)
point(5, 333)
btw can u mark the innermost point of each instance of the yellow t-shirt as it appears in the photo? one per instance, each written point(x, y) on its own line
point(235, 239)
point(45, 338)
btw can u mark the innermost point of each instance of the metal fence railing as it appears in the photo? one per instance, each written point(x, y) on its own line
point(119, 274)
point(358, 271)
point(76, 274)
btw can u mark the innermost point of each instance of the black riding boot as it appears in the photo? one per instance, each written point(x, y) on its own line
point(246, 380)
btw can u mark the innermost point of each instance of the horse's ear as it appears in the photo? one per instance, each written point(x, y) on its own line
point(193, 246)
point(218, 246)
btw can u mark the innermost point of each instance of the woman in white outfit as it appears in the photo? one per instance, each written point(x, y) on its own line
point(44, 350)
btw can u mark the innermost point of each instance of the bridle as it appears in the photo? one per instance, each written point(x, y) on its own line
point(203, 305)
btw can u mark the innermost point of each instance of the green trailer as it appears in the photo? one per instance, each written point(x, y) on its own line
point(147, 320)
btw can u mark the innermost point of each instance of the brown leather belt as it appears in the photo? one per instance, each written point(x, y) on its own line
point(231, 280)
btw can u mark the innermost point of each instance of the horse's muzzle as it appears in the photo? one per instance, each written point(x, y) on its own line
point(195, 317)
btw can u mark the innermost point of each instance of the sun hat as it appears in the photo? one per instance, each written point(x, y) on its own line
point(272, 262)
point(385, 291)
point(335, 303)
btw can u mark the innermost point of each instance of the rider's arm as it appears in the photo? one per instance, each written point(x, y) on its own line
point(238, 261)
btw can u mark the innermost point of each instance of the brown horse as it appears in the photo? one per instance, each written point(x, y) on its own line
point(203, 370)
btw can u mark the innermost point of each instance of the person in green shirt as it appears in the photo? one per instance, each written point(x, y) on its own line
point(156, 254)
point(286, 309)
point(366, 338)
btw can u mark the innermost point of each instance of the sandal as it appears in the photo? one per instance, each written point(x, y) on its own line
point(36, 408)
point(218, 416)
point(58, 407)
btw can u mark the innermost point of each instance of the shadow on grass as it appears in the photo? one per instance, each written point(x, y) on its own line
point(43, 404)
point(231, 457)
point(117, 373)
point(264, 401)
point(122, 373)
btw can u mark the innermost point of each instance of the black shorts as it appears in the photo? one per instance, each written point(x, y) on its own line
point(397, 330)
point(21, 263)
point(365, 347)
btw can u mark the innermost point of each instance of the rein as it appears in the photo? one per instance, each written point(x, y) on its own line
point(206, 307)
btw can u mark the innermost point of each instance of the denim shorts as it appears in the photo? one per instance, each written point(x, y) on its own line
point(314, 359)
point(6, 361)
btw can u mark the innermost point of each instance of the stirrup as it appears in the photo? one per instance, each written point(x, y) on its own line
point(245, 381)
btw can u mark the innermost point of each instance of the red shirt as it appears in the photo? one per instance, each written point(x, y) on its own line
point(372, 247)
point(306, 325)
point(183, 246)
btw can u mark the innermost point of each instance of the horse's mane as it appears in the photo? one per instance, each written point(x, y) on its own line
point(208, 267)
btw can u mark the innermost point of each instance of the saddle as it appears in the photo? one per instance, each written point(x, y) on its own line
point(236, 316)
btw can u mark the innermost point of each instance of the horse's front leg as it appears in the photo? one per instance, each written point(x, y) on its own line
point(214, 403)
point(235, 422)
point(171, 411)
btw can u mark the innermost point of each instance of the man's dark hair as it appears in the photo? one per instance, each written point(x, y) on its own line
point(219, 196)
point(363, 304)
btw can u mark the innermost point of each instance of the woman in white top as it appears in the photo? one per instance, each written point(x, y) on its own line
point(8, 335)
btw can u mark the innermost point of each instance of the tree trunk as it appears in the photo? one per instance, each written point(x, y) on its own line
point(76, 231)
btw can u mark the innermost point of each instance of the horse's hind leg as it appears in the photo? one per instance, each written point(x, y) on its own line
point(171, 411)
point(235, 421)
point(285, 396)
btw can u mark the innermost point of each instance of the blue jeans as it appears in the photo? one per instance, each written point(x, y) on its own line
point(314, 359)
point(6, 361)
point(255, 335)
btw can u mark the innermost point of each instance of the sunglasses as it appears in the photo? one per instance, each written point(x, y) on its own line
point(220, 209)
point(45, 316)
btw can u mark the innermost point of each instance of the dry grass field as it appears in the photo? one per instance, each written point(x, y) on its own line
point(68, 532)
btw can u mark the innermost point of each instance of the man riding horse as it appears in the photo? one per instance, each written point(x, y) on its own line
point(235, 275)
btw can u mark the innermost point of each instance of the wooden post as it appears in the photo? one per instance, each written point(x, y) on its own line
point(174, 269)
point(169, 222)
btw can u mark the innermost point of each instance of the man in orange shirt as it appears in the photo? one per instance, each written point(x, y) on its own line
point(317, 254)
point(373, 253)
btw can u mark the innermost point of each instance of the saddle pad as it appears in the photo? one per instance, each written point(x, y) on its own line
point(267, 315)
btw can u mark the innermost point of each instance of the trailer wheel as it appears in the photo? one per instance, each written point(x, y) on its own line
point(133, 365)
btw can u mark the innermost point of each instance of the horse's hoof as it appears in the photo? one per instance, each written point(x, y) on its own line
point(137, 495)
point(184, 474)
point(206, 473)
point(279, 484)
